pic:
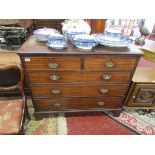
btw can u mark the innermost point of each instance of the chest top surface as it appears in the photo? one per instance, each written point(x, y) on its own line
point(144, 75)
point(33, 47)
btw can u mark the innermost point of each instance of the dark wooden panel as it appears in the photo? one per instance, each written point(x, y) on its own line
point(104, 62)
point(79, 90)
point(50, 23)
point(9, 77)
point(33, 63)
point(142, 95)
point(78, 103)
point(78, 76)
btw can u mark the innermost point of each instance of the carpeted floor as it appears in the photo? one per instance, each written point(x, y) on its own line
point(94, 124)
point(53, 125)
point(131, 122)
point(140, 121)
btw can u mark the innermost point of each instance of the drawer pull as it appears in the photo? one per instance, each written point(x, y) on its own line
point(109, 64)
point(54, 77)
point(104, 90)
point(101, 103)
point(56, 104)
point(106, 77)
point(52, 65)
point(56, 91)
point(27, 59)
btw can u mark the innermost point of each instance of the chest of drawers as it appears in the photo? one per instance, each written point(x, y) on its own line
point(73, 79)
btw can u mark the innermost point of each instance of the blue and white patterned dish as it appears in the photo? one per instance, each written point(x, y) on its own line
point(84, 41)
point(56, 36)
point(57, 45)
point(57, 41)
point(71, 33)
point(113, 40)
point(38, 38)
point(44, 33)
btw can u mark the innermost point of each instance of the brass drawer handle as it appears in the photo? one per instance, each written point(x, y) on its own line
point(54, 77)
point(101, 103)
point(107, 77)
point(27, 59)
point(109, 64)
point(56, 91)
point(53, 65)
point(104, 90)
point(56, 104)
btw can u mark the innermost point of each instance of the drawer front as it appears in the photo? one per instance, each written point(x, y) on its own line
point(110, 63)
point(79, 76)
point(78, 103)
point(142, 95)
point(32, 63)
point(79, 91)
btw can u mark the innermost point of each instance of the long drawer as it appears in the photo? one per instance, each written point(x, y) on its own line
point(79, 76)
point(105, 62)
point(79, 90)
point(33, 63)
point(78, 103)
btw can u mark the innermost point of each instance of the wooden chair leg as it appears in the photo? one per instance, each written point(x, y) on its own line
point(27, 115)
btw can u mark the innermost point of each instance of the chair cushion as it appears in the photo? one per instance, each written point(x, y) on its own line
point(10, 115)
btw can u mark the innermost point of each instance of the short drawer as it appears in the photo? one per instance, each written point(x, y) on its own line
point(79, 90)
point(78, 103)
point(33, 63)
point(141, 95)
point(79, 76)
point(104, 62)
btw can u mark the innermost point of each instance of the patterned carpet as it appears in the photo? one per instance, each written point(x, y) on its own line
point(130, 122)
point(140, 121)
point(53, 125)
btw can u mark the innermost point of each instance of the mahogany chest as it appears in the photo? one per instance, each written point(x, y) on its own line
point(73, 80)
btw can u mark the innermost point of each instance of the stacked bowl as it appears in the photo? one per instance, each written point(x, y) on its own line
point(84, 41)
point(44, 33)
point(57, 41)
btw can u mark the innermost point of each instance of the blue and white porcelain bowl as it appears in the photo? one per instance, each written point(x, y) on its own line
point(57, 41)
point(57, 36)
point(84, 41)
point(70, 33)
point(44, 33)
point(56, 45)
point(113, 40)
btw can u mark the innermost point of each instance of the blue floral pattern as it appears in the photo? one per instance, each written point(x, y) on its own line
point(84, 41)
point(113, 39)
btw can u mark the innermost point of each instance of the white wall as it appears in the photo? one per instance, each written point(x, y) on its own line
point(149, 23)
